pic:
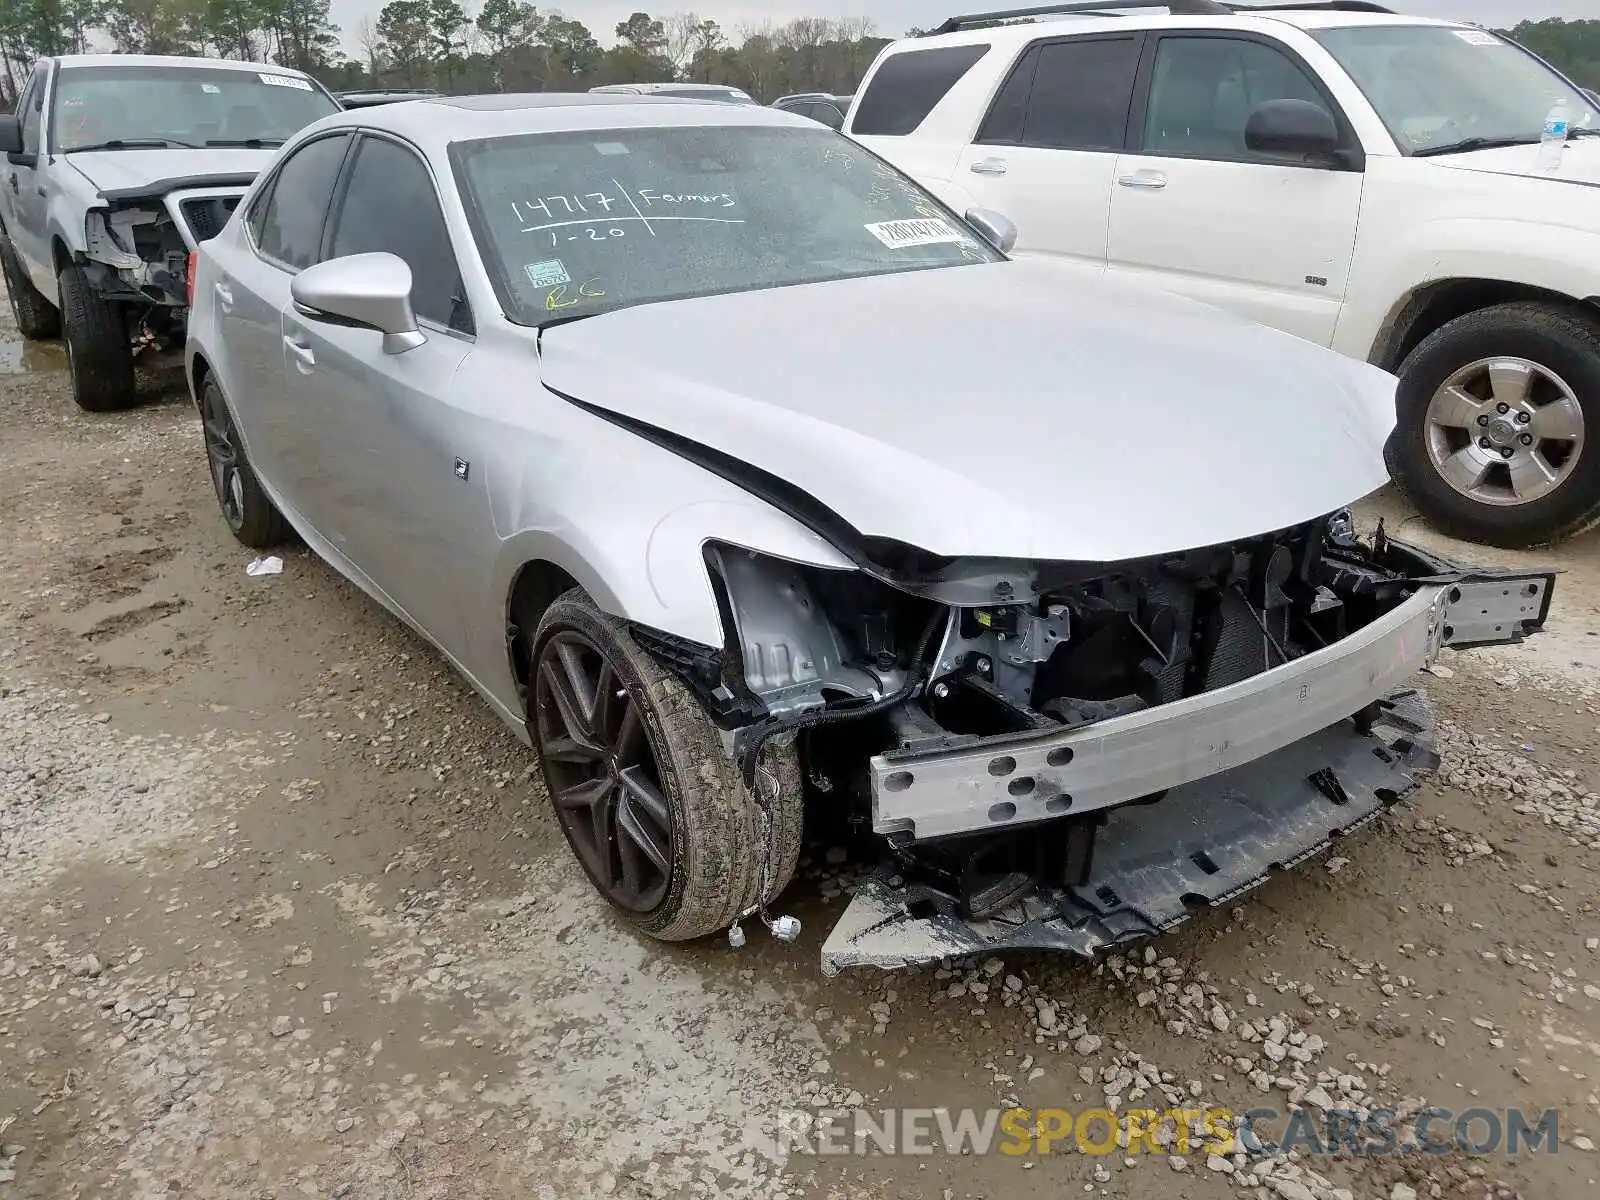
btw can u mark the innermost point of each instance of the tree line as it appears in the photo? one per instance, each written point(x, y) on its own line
point(447, 45)
point(511, 45)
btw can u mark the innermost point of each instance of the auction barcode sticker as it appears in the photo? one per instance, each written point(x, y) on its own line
point(919, 231)
point(284, 81)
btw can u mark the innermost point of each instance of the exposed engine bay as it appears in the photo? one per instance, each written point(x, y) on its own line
point(137, 250)
point(1095, 747)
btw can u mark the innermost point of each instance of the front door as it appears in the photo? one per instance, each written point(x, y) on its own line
point(398, 490)
point(1196, 212)
point(25, 200)
point(1047, 149)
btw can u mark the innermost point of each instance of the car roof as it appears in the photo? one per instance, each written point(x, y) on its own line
point(433, 122)
point(1135, 19)
point(69, 61)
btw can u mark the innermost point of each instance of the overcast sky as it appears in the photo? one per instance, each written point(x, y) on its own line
point(894, 17)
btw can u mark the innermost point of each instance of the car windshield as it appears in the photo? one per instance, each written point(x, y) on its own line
point(1437, 87)
point(181, 106)
point(572, 224)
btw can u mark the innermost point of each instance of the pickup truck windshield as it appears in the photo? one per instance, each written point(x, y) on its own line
point(572, 224)
point(1439, 88)
point(143, 106)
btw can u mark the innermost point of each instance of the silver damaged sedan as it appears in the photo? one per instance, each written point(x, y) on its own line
point(748, 482)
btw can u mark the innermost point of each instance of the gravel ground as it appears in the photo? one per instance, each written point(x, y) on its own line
point(282, 913)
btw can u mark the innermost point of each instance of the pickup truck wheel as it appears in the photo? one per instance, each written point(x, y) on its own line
point(650, 802)
point(252, 518)
point(99, 353)
point(1498, 433)
point(36, 317)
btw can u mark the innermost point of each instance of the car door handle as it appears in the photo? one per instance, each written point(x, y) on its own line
point(14, 185)
point(988, 166)
point(224, 294)
point(306, 356)
point(1149, 181)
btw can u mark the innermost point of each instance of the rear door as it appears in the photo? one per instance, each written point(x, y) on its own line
point(1046, 152)
point(1198, 213)
point(280, 236)
point(395, 485)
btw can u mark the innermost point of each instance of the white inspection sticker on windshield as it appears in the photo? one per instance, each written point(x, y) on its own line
point(1477, 37)
point(283, 81)
point(550, 273)
point(919, 231)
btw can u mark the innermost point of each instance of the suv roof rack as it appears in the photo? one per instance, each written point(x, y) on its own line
point(1186, 8)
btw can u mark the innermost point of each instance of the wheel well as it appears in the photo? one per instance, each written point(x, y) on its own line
point(1437, 304)
point(59, 254)
point(536, 585)
point(197, 380)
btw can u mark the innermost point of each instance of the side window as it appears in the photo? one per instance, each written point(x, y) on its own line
point(1203, 90)
point(390, 204)
point(906, 87)
point(1080, 94)
point(291, 223)
point(31, 106)
point(1009, 112)
point(829, 114)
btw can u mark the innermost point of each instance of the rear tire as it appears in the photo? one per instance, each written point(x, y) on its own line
point(251, 517)
point(99, 352)
point(1559, 348)
point(36, 317)
point(707, 825)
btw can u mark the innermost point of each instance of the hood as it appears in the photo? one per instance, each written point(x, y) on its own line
point(1009, 409)
point(1580, 162)
point(117, 170)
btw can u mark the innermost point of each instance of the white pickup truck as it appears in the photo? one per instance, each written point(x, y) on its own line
point(1372, 182)
point(115, 166)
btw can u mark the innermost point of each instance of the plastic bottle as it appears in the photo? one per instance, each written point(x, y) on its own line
point(1554, 137)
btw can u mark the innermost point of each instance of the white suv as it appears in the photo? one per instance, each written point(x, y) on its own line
point(1372, 182)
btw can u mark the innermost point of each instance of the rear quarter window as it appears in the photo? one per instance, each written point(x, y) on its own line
point(907, 85)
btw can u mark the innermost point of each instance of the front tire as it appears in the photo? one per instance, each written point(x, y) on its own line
point(36, 317)
point(99, 351)
point(1498, 432)
point(251, 517)
point(650, 802)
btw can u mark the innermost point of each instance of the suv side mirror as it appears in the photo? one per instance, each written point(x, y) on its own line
point(10, 135)
point(1292, 127)
point(997, 228)
point(367, 291)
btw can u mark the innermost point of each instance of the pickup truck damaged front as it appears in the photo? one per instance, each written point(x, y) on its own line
point(1131, 742)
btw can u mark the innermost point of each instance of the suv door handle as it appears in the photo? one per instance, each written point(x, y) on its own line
point(1148, 180)
point(307, 357)
point(224, 294)
point(988, 166)
point(14, 184)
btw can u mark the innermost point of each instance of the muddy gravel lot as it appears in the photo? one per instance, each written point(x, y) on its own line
point(283, 913)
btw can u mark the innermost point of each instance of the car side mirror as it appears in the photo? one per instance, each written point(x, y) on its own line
point(10, 135)
point(365, 291)
point(1292, 127)
point(997, 228)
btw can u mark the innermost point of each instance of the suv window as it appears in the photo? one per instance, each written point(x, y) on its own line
point(31, 106)
point(1071, 95)
point(1203, 90)
point(291, 220)
point(906, 87)
point(390, 204)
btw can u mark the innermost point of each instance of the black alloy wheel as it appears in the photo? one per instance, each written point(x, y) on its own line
point(603, 773)
point(222, 456)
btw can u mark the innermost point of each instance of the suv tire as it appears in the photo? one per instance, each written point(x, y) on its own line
point(36, 317)
point(707, 832)
point(1559, 350)
point(99, 353)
